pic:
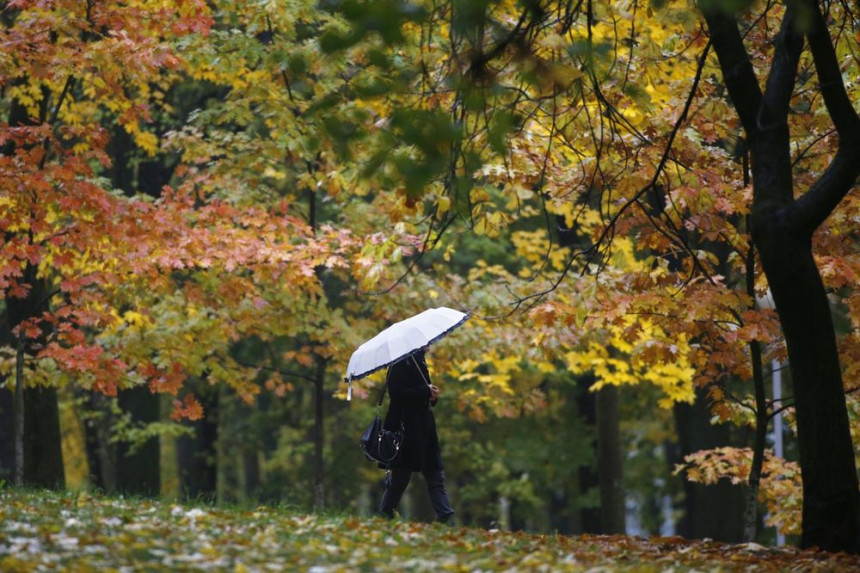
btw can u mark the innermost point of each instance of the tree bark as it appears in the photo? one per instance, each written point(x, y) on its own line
point(610, 462)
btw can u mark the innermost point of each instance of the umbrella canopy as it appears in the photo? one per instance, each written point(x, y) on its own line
point(402, 339)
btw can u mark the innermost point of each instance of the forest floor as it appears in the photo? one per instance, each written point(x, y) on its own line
point(68, 531)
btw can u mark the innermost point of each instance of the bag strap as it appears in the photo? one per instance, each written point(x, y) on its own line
point(388, 375)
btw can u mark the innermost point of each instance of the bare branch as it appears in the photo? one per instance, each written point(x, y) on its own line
point(594, 250)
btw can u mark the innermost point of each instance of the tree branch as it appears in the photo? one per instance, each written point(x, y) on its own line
point(735, 64)
point(836, 98)
point(774, 107)
point(591, 253)
point(809, 211)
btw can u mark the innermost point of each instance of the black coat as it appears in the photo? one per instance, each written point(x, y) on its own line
point(409, 394)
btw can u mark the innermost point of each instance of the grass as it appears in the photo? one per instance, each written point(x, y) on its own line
point(41, 531)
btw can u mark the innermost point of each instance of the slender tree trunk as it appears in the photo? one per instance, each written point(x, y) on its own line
point(7, 433)
point(319, 436)
point(609, 462)
point(761, 417)
point(19, 411)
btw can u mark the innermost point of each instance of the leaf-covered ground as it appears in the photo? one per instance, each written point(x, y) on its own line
point(41, 531)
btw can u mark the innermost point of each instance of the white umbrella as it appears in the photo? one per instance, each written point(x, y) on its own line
point(400, 340)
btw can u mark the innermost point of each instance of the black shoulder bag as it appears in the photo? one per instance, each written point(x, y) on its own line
point(381, 445)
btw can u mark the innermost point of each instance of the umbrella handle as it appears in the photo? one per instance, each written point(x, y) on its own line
point(418, 366)
point(421, 372)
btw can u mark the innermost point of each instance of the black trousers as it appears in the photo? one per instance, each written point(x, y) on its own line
point(395, 485)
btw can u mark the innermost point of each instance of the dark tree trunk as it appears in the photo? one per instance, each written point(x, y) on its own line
point(19, 408)
point(198, 456)
point(319, 435)
point(710, 511)
point(38, 450)
point(7, 435)
point(96, 428)
point(782, 229)
point(761, 420)
point(831, 505)
point(609, 462)
point(43, 463)
point(139, 472)
point(589, 517)
point(251, 472)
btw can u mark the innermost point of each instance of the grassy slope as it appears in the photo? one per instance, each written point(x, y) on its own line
point(81, 532)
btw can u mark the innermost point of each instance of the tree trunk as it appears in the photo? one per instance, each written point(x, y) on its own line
point(38, 451)
point(250, 472)
point(831, 504)
point(589, 517)
point(609, 462)
point(710, 511)
point(198, 455)
point(139, 473)
point(43, 464)
point(7, 434)
point(100, 455)
point(782, 229)
point(761, 415)
point(319, 436)
point(19, 411)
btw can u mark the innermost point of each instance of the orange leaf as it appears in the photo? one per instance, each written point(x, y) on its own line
point(189, 409)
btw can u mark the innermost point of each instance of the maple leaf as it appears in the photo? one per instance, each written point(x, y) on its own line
point(188, 408)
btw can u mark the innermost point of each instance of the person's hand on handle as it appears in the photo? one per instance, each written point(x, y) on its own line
point(434, 394)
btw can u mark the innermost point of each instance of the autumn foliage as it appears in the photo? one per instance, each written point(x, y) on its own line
point(573, 174)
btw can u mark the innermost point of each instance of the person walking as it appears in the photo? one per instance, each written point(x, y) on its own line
point(412, 396)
